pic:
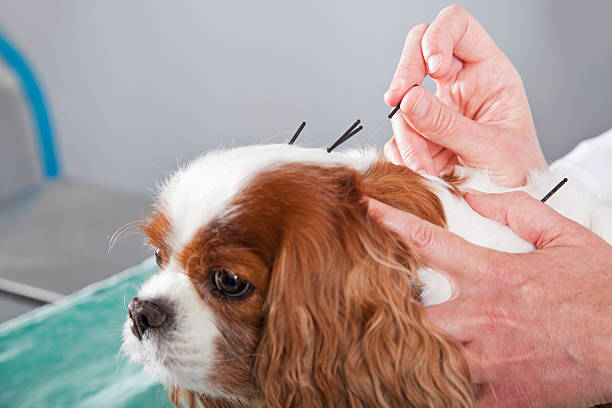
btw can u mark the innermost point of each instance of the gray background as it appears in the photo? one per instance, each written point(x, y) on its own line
point(135, 86)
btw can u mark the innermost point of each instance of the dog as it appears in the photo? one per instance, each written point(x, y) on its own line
point(277, 288)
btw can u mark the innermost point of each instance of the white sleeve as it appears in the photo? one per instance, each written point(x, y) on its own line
point(592, 161)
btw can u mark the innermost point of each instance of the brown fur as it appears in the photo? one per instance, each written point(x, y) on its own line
point(455, 182)
point(334, 319)
point(156, 228)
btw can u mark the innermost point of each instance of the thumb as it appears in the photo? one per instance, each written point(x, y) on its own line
point(437, 248)
point(439, 123)
point(531, 219)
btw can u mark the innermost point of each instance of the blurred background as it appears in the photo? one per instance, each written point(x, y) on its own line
point(99, 100)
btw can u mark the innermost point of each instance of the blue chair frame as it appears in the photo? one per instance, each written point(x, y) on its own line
point(49, 162)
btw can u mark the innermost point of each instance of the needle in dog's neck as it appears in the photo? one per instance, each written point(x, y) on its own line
point(554, 190)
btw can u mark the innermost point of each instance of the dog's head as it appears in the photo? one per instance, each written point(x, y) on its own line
point(278, 289)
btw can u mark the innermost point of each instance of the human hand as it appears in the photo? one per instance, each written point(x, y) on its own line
point(480, 115)
point(536, 327)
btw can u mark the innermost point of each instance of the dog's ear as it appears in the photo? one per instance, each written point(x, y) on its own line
point(343, 324)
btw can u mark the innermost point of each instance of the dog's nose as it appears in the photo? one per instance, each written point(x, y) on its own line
point(146, 314)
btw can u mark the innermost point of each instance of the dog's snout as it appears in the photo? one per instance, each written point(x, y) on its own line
point(146, 314)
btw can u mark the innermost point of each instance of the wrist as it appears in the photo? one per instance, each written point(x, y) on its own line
point(602, 375)
point(603, 351)
point(598, 337)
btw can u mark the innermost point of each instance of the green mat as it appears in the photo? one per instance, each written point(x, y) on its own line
point(67, 354)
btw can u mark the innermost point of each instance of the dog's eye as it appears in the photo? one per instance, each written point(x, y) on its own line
point(229, 284)
point(158, 257)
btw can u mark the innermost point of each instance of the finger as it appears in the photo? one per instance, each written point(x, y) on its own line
point(444, 160)
point(392, 153)
point(434, 149)
point(410, 69)
point(437, 122)
point(503, 393)
point(436, 247)
point(412, 148)
point(449, 316)
point(454, 32)
point(455, 68)
point(478, 376)
point(531, 219)
point(485, 394)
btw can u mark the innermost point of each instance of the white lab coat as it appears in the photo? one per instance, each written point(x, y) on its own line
point(592, 159)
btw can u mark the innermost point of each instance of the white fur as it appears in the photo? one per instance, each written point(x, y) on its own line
point(182, 355)
point(201, 191)
point(191, 198)
point(572, 200)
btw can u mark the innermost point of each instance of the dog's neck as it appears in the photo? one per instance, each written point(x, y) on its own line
point(440, 201)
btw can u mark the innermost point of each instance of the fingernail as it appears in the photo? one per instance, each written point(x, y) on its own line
point(433, 63)
point(395, 85)
point(421, 106)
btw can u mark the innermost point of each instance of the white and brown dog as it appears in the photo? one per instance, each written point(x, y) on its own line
point(277, 289)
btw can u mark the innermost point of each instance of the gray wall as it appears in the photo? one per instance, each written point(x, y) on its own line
point(135, 86)
point(19, 169)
